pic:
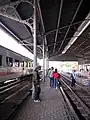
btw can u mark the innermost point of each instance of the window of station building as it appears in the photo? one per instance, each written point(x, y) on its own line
point(9, 61)
point(17, 63)
point(0, 60)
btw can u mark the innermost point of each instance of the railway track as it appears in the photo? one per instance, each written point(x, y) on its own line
point(79, 98)
point(79, 87)
point(71, 112)
point(12, 94)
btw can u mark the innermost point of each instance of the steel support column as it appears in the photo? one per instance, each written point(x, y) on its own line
point(43, 61)
point(35, 45)
point(47, 65)
point(40, 14)
point(34, 36)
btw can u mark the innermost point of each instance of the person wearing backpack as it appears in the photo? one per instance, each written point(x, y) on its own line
point(59, 77)
point(56, 77)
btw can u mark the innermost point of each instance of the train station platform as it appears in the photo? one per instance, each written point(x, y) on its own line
point(51, 107)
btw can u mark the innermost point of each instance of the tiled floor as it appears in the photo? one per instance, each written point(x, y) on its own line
point(52, 106)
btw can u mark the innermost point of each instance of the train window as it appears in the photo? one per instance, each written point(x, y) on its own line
point(17, 63)
point(26, 64)
point(29, 64)
point(9, 61)
point(22, 64)
point(0, 60)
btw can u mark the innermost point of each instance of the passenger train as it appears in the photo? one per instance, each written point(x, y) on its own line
point(13, 65)
point(15, 80)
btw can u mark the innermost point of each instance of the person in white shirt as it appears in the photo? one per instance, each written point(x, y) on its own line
point(51, 76)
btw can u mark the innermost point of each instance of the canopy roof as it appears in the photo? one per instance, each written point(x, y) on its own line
point(64, 24)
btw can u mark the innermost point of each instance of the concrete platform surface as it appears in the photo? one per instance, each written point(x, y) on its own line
point(51, 107)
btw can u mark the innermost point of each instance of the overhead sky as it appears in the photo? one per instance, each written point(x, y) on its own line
point(9, 42)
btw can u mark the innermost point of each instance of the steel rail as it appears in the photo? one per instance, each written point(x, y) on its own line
point(69, 104)
point(78, 98)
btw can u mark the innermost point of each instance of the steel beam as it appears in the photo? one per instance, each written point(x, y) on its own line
point(81, 43)
point(84, 49)
point(44, 36)
point(17, 38)
point(13, 16)
point(79, 31)
point(71, 23)
point(44, 41)
point(59, 16)
point(34, 36)
point(43, 61)
point(16, 3)
point(58, 42)
point(18, 20)
point(50, 32)
point(47, 65)
point(87, 53)
point(24, 25)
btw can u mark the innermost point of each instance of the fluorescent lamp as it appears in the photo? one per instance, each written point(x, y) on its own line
point(80, 30)
point(63, 52)
point(84, 28)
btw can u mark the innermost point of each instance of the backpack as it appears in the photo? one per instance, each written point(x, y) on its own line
point(59, 75)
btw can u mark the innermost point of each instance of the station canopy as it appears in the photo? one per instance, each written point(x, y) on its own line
point(64, 25)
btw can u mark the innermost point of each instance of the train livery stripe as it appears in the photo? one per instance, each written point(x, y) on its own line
point(6, 73)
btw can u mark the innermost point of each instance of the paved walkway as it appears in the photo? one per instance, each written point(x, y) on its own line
point(52, 106)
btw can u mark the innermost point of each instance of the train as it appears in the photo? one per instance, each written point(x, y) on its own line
point(13, 65)
point(16, 72)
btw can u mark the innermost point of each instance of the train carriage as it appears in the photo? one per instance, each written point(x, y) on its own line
point(13, 65)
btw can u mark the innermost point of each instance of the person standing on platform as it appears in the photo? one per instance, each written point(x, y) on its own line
point(48, 74)
point(56, 78)
point(51, 76)
point(36, 81)
point(73, 77)
point(59, 80)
